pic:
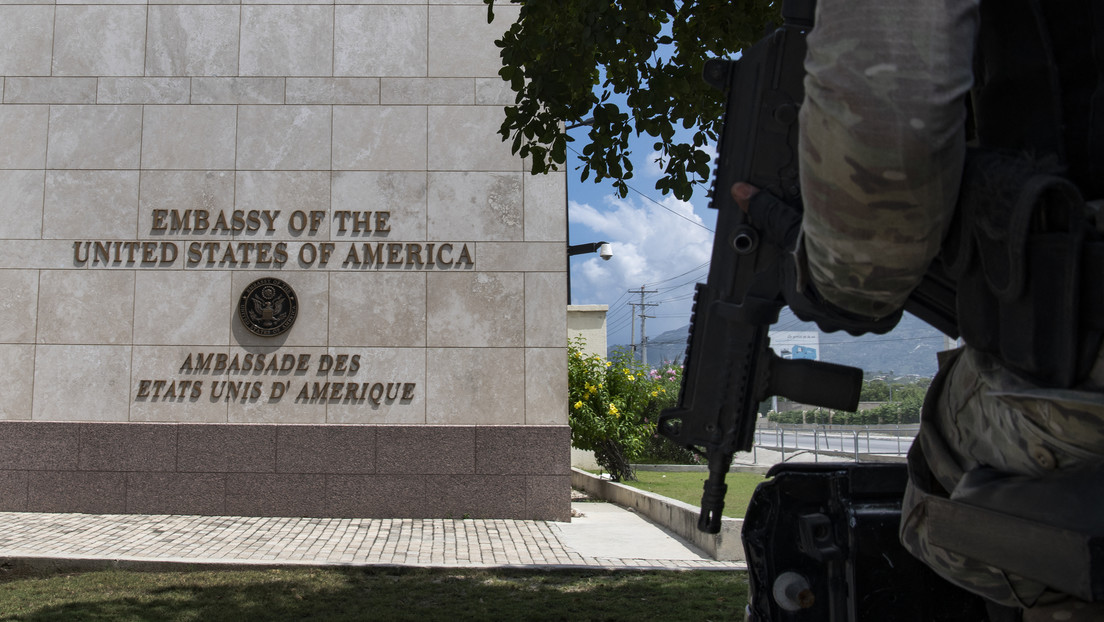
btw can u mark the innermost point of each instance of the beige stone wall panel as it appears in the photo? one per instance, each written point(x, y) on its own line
point(333, 91)
point(465, 138)
point(16, 380)
point(521, 256)
point(85, 307)
point(293, 138)
point(381, 40)
point(143, 91)
point(546, 387)
point(272, 408)
point(183, 191)
point(401, 194)
point(433, 91)
point(384, 366)
point(18, 306)
point(480, 309)
point(99, 40)
point(90, 204)
point(50, 90)
point(23, 136)
point(475, 205)
point(475, 386)
point(545, 216)
point(378, 309)
point(379, 138)
point(94, 137)
point(21, 195)
point(286, 192)
point(180, 307)
point(461, 42)
point(238, 90)
point(187, 40)
point(176, 403)
point(545, 321)
point(81, 383)
point(292, 40)
point(493, 92)
point(188, 137)
point(37, 254)
point(26, 38)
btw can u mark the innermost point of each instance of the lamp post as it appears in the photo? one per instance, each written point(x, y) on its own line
point(603, 248)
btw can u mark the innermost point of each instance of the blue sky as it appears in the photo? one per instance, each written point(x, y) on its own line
point(659, 243)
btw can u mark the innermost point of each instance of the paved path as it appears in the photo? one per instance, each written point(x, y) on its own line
point(604, 536)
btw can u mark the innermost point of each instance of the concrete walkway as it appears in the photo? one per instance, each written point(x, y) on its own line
point(603, 535)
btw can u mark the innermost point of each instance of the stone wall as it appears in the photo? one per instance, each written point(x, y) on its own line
point(158, 159)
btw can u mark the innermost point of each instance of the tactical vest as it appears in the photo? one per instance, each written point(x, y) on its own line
point(1026, 247)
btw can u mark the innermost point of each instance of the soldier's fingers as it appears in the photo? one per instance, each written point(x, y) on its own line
point(742, 193)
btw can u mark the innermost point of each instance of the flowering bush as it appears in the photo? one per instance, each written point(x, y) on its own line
point(614, 405)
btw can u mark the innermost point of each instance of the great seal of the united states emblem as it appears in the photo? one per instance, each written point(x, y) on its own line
point(268, 307)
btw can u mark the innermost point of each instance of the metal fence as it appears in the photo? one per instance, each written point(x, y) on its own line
point(859, 443)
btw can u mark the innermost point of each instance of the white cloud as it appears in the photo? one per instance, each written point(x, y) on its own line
point(650, 245)
point(654, 165)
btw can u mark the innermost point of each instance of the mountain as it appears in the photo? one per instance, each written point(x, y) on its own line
point(909, 349)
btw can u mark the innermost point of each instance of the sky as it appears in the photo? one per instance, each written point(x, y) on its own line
point(660, 244)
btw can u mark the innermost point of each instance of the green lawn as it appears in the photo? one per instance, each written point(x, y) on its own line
point(375, 594)
point(687, 487)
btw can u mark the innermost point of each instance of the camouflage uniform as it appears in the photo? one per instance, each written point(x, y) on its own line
point(882, 150)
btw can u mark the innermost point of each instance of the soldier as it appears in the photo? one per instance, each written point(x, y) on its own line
point(883, 148)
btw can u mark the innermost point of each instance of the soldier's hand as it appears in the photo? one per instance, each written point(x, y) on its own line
point(776, 220)
point(780, 223)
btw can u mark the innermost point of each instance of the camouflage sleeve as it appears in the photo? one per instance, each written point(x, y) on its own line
point(882, 144)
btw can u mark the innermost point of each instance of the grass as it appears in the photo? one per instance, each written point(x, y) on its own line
point(375, 594)
point(686, 486)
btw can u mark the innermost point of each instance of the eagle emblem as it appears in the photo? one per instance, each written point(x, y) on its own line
point(268, 307)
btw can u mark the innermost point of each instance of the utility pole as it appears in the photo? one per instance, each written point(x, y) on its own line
point(643, 316)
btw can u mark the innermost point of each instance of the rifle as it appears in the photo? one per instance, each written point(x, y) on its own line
point(729, 366)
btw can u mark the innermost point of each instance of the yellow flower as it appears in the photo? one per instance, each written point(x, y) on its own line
point(578, 404)
point(591, 388)
point(655, 393)
point(613, 411)
point(631, 377)
point(609, 364)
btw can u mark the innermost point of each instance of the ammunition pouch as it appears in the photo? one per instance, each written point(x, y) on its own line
point(1028, 265)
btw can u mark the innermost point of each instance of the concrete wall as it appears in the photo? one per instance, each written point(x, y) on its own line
point(588, 322)
point(679, 517)
point(157, 159)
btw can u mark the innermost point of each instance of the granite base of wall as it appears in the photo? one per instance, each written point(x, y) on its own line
point(337, 471)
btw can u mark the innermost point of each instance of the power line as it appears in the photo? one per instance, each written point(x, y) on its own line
point(687, 219)
point(691, 270)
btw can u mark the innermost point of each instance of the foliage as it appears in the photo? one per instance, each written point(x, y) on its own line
point(875, 391)
point(646, 55)
point(614, 405)
point(901, 403)
point(337, 594)
point(660, 450)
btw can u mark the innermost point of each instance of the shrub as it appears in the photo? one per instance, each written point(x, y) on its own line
point(614, 406)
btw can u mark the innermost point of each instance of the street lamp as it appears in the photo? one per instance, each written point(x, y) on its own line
point(603, 248)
